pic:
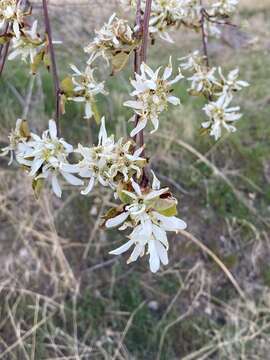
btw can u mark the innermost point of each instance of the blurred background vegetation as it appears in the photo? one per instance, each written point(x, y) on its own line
point(62, 295)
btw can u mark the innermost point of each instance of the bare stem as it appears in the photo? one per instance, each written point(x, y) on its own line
point(140, 57)
point(4, 51)
point(53, 61)
point(145, 29)
point(204, 36)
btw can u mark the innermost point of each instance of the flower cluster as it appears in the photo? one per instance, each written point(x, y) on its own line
point(108, 163)
point(153, 93)
point(12, 13)
point(168, 15)
point(218, 91)
point(114, 42)
point(150, 212)
point(46, 157)
point(83, 87)
point(31, 47)
point(17, 138)
point(25, 39)
point(42, 156)
point(224, 8)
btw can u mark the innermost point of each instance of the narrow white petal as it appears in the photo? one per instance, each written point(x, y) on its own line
point(154, 260)
point(52, 129)
point(140, 126)
point(71, 179)
point(162, 252)
point(55, 186)
point(122, 248)
point(35, 167)
point(89, 186)
point(135, 253)
point(117, 220)
point(171, 223)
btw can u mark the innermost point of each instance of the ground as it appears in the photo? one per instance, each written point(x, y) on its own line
point(64, 297)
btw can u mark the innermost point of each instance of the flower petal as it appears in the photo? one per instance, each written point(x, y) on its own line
point(121, 249)
point(117, 220)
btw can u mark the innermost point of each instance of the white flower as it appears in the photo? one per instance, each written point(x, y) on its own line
point(149, 226)
point(114, 35)
point(12, 12)
point(86, 88)
point(203, 79)
point(192, 61)
point(108, 163)
point(126, 161)
point(231, 84)
point(224, 7)
point(45, 155)
point(28, 45)
point(221, 116)
point(94, 160)
point(153, 93)
point(17, 141)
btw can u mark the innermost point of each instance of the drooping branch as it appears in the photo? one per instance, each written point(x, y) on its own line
point(53, 64)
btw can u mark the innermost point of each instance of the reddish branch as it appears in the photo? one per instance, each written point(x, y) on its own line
point(204, 36)
point(142, 26)
point(53, 63)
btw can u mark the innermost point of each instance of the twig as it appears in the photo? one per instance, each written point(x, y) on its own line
point(53, 61)
point(4, 33)
point(145, 29)
point(204, 36)
point(4, 57)
point(140, 57)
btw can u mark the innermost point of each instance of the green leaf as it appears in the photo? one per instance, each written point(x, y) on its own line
point(4, 39)
point(47, 61)
point(37, 60)
point(171, 211)
point(67, 86)
point(166, 207)
point(96, 113)
point(123, 196)
point(119, 61)
point(24, 129)
point(37, 186)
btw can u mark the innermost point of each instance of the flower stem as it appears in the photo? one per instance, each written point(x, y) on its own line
point(53, 63)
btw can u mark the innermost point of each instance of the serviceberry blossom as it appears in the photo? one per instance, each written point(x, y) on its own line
point(231, 84)
point(17, 140)
point(108, 163)
point(148, 211)
point(28, 45)
point(224, 7)
point(168, 15)
point(115, 36)
point(192, 61)
point(86, 88)
point(44, 156)
point(153, 93)
point(203, 80)
point(13, 12)
point(221, 116)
